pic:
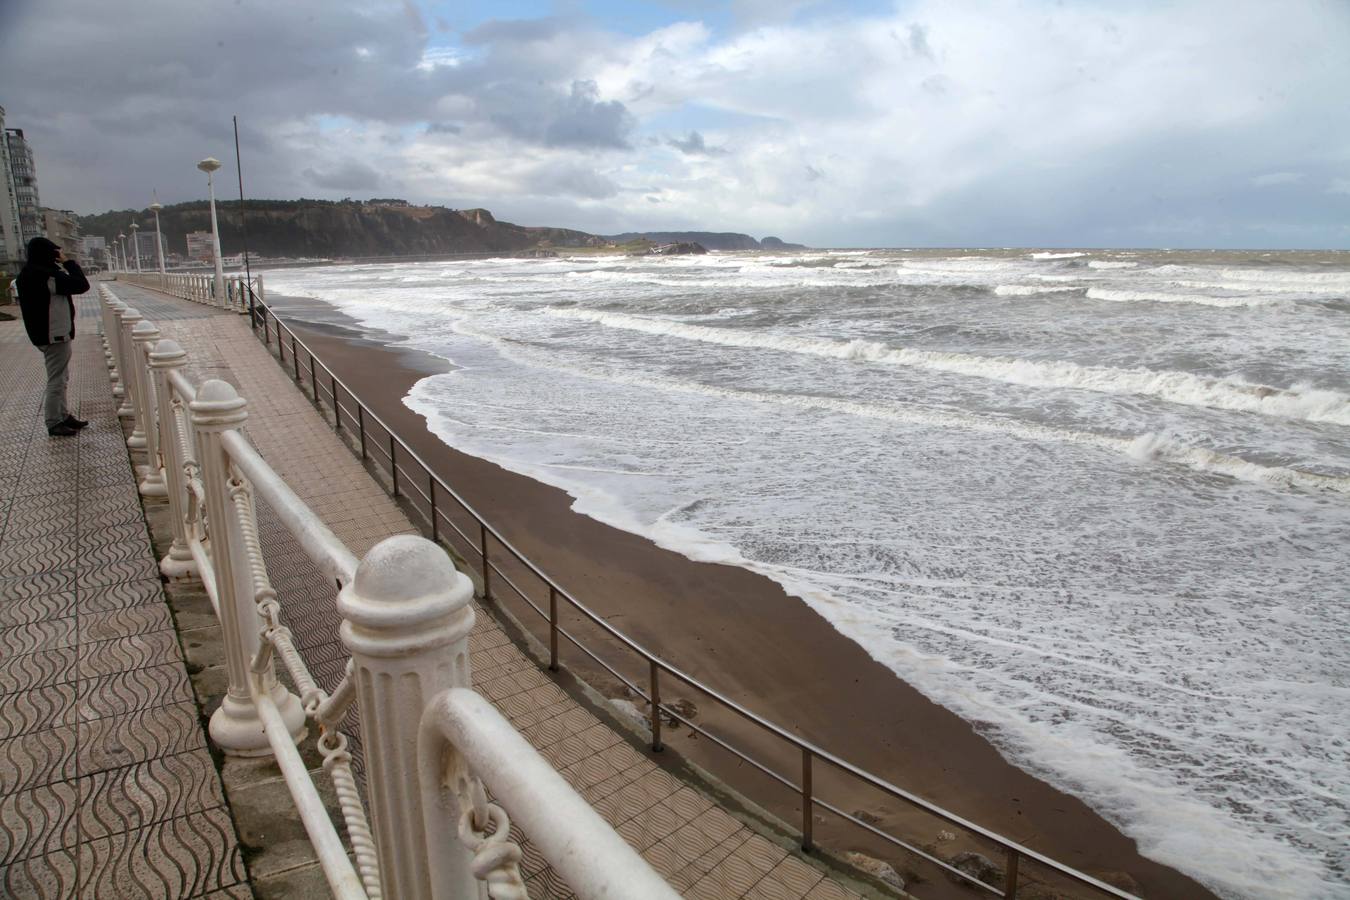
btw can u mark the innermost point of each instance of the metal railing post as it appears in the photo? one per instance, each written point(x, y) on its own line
point(166, 358)
point(552, 628)
point(143, 338)
point(295, 358)
point(393, 463)
point(808, 804)
point(435, 519)
point(235, 726)
point(657, 746)
point(361, 428)
point(487, 565)
point(337, 412)
point(406, 622)
point(132, 373)
point(1010, 876)
point(313, 379)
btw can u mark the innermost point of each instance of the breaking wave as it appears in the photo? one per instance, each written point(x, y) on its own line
point(1310, 404)
point(1164, 297)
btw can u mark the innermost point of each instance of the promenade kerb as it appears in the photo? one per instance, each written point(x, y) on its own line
point(407, 624)
point(408, 473)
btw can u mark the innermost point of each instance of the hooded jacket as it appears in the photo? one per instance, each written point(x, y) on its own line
point(42, 286)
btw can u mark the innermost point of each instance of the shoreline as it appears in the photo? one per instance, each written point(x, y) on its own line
point(741, 633)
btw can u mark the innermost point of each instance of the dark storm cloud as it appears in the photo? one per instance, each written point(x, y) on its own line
point(147, 90)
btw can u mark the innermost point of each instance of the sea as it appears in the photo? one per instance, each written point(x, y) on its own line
point(1096, 503)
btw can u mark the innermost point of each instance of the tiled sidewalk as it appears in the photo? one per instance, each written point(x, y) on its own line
point(106, 786)
point(702, 850)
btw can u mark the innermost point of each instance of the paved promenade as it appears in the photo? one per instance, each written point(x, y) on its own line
point(66, 549)
point(106, 786)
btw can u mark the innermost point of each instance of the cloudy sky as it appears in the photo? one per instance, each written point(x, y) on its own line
point(859, 123)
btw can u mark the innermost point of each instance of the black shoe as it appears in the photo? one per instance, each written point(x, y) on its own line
point(75, 423)
point(62, 430)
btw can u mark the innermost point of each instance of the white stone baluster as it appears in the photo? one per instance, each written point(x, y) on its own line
point(165, 358)
point(115, 339)
point(131, 375)
point(235, 726)
point(406, 622)
point(144, 337)
point(110, 339)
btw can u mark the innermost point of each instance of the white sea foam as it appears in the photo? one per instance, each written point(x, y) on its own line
point(1119, 296)
point(1051, 255)
point(1139, 602)
point(1176, 387)
point(1145, 447)
point(1110, 264)
point(1026, 290)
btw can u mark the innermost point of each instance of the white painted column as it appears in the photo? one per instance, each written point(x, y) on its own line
point(131, 376)
point(165, 358)
point(143, 338)
point(235, 726)
point(110, 342)
point(406, 622)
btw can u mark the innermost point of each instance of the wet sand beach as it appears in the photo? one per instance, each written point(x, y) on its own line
point(740, 633)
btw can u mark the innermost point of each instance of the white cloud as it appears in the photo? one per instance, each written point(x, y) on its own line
point(1339, 186)
point(1014, 121)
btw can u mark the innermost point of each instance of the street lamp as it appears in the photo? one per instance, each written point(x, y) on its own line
point(136, 246)
point(159, 239)
point(122, 246)
point(209, 165)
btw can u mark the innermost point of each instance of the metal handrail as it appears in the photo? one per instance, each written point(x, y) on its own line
point(809, 750)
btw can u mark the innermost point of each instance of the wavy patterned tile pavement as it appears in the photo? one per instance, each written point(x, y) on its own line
point(38, 821)
point(106, 788)
point(36, 710)
point(122, 692)
point(123, 800)
point(181, 857)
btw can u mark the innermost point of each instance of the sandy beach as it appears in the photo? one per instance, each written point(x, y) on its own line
point(769, 651)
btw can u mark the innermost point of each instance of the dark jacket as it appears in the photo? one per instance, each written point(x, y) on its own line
point(36, 282)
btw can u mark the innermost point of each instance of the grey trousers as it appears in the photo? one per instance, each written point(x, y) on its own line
point(57, 358)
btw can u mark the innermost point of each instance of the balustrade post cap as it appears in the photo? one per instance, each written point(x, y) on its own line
point(130, 315)
point(404, 584)
point(145, 330)
point(218, 404)
point(167, 353)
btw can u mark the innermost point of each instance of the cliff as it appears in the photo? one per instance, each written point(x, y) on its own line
point(386, 227)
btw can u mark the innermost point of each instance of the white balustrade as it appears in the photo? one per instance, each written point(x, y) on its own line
point(201, 288)
point(428, 738)
point(144, 337)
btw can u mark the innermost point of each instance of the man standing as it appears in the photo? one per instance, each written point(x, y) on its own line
point(47, 285)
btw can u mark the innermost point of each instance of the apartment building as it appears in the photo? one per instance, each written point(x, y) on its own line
point(11, 231)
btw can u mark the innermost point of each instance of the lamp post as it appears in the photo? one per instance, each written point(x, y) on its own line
point(209, 165)
point(159, 239)
point(122, 247)
point(136, 245)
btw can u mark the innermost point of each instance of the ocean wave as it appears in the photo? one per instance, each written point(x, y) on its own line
point(1050, 255)
point(1165, 297)
point(1110, 264)
point(1265, 287)
point(1301, 402)
point(1025, 290)
point(1143, 448)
